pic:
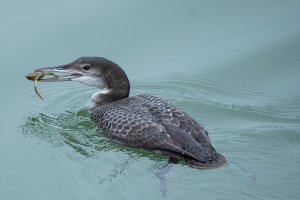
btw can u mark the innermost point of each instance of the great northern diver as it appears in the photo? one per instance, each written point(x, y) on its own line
point(142, 121)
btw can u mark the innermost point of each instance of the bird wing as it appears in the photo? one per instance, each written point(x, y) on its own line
point(184, 130)
point(170, 115)
point(131, 122)
point(152, 123)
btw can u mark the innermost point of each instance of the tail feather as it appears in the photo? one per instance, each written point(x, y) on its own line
point(218, 161)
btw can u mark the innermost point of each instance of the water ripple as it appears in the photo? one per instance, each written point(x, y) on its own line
point(242, 121)
point(226, 91)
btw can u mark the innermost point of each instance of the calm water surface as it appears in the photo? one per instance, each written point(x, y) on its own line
point(232, 65)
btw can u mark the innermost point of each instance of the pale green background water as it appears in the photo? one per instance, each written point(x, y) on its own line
point(233, 65)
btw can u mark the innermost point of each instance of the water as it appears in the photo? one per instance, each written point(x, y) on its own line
point(232, 65)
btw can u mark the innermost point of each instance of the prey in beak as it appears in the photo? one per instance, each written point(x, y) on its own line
point(80, 70)
point(48, 75)
point(64, 74)
point(36, 76)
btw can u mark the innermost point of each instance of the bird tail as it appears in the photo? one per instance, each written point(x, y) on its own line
point(218, 161)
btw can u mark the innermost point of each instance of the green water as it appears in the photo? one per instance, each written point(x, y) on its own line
point(232, 65)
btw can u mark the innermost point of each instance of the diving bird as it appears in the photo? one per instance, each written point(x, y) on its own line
point(142, 121)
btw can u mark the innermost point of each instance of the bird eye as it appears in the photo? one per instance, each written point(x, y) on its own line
point(86, 67)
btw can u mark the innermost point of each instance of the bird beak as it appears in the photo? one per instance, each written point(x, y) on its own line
point(65, 73)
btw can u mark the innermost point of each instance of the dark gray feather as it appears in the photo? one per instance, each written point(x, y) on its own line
point(152, 123)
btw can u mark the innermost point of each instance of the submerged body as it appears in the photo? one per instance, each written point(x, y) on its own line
point(154, 124)
point(142, 121)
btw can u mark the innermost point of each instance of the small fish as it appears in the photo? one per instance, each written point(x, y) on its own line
point(36, 76)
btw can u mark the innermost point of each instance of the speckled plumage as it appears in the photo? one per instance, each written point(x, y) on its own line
point(152, 123)
point(143, 121)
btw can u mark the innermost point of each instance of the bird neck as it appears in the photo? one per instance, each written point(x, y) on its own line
point(113, 90)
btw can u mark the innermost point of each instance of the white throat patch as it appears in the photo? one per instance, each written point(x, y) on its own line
point(95, 96)
point(89, 80)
